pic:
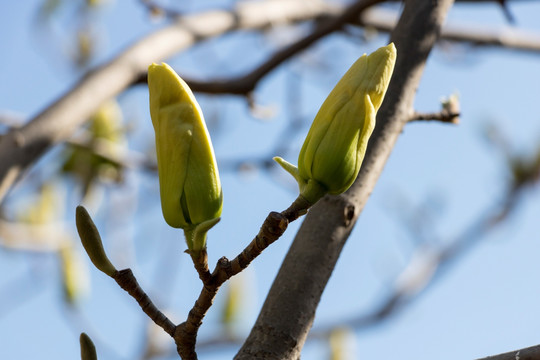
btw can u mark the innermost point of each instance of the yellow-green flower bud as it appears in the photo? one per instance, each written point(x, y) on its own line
point(190, 189)
point(334, 148)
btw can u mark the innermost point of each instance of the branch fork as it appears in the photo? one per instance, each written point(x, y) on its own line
point(185, 334)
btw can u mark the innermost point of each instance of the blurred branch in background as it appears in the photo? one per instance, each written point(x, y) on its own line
point(375, 18)
point(20, 148)
point(511, 38)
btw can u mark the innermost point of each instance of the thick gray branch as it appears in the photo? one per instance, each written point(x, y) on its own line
point(21, 147)
point(289, 309)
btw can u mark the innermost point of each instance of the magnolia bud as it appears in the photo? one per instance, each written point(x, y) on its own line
point(334, 148)
point(190, 189)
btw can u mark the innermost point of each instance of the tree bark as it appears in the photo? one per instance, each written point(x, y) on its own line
point(288, 312)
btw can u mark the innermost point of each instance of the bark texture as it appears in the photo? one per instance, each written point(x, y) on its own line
point(289, 309)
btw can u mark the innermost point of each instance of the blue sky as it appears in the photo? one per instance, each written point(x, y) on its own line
point(485, 304)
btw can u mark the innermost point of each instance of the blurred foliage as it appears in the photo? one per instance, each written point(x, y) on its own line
point(72, 26)
point(97, 157)
point(523, 166)
point(341, 341)
point(232, 307)
point(44, 208)
point(75, 275)
point(37, 225)
point(525, 169)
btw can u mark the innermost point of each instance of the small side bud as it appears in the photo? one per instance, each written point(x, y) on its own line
point(91, 241)
point(451, 108)
point(88, 350)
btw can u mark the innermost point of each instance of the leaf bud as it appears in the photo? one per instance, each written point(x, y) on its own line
point(91, 241)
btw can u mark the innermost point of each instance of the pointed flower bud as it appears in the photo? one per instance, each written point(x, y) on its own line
point(334, 148)
point(190, 189)
point(91, 241)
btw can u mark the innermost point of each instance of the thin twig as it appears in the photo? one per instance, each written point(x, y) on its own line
point(442, 116)
point(185, 334)
point(128, 282)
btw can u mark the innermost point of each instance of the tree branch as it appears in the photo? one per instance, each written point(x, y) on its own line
point(507, 37)
point(378, 18)
point(530, 353)
point(287, 314)
point(430, 262)
point(442, 116)
point(185, 334)
point(244, 84)
point(128, 282)
point(19, 148)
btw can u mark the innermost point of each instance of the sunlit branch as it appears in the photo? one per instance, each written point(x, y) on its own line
point(273, 227)
point(128, 282)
